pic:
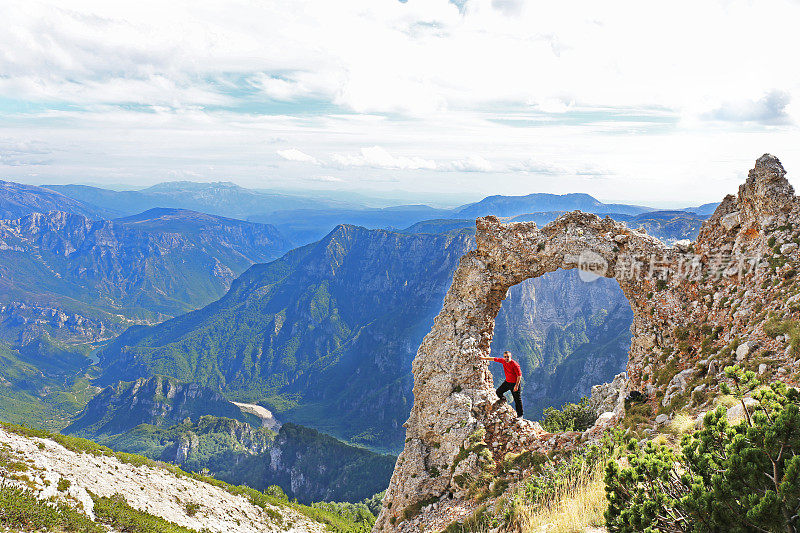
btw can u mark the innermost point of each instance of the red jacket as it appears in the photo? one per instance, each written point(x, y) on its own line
point(511, 368)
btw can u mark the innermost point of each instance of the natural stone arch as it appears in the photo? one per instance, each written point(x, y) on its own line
point(453, 391)
point(669, 288)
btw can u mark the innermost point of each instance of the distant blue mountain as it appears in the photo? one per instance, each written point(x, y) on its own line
point(306, 219)
point(219, 198)
point(303, 226)
point(18, 200)
point(705, 209)
point(511, 206)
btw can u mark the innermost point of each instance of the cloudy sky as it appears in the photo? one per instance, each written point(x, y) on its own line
point(658, 103)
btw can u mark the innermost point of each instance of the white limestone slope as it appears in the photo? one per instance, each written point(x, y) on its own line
point(154, 490)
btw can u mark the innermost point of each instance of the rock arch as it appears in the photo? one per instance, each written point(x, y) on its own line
point(668, 288)
point(453, 391)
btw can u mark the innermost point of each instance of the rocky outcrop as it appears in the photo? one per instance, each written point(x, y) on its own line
point(690, 302)
point(453, 396)
point(609, 397)
point(23, 323)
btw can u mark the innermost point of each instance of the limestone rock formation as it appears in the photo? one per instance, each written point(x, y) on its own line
point(609, 397)
point(692, 305)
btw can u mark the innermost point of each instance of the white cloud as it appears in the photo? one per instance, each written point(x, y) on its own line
point(770, 109)
point(139, 91)
point(378, 157)
point(473, 163)
point(535, 166)
point(281, 88)
point(417, 57)
point(23, 153)
point(293, 154)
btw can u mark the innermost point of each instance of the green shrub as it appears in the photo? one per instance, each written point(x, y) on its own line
point(191, 508)
point(63, 484)
point(357, 514)
point(571, 417)
point(21, 510)
point(116, 512)
point(276, 492)
point(739, 478)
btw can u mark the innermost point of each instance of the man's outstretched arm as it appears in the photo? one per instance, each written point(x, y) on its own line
point(486, 358)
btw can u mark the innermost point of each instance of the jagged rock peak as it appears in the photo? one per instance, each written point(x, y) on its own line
point(766, 186)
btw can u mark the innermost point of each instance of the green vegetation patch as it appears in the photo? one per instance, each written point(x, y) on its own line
point(742, 477)
point(116, 512)
point(21, 510)
point(571, 417)
point(359, 514)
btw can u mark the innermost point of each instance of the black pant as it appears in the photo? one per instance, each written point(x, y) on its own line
point(506, 386)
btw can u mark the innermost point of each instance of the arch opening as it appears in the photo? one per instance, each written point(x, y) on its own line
point(568, 329)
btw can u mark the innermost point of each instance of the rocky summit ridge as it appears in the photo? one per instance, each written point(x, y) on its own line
point(728, 297)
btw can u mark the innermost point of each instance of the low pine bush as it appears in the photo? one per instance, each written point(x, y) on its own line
point(116, 512)
point(734, 478)
point(571, 417)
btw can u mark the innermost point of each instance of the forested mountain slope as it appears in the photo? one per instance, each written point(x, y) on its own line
point(82, 280)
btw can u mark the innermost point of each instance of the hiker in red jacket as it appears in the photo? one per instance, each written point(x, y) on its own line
point(513, 377)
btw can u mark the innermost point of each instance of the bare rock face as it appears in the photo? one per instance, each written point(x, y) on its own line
point(688, 302)
point(609, 397)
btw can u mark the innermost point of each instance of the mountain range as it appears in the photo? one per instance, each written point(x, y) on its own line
point(323, 336)
point(191, 310)
point(81, 279)
point(303, 220)
point(198, 429)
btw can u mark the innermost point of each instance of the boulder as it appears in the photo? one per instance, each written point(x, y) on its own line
point(730, 221)
point(677, 385)
point(736, 412)
point(745, 349)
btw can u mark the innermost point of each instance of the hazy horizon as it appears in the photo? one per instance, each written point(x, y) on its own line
point(371, 198)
